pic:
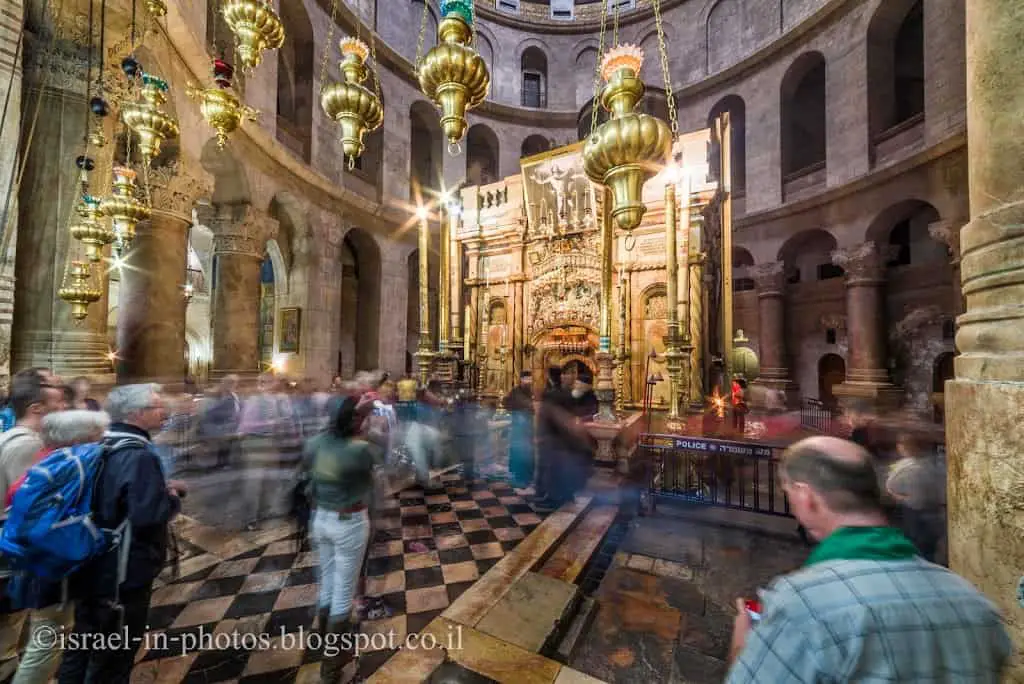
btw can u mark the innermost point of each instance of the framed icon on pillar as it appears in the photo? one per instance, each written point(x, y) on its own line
point(291, 330)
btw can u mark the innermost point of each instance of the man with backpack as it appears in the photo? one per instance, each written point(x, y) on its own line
point(113, 591)
point(34, 394)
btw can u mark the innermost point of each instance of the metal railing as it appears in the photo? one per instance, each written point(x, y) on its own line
point(817, 416)
point(715, 472)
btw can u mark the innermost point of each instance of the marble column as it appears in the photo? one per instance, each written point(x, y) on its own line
point(518, 340)
point(43, 332)
point(237, 242)
point(867, 377)
point(455, 283)
point(948, 233)
point(984, 430)
point(771, 337)
point(151, 320)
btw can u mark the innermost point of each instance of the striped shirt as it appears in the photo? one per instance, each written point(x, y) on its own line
point(874, 621)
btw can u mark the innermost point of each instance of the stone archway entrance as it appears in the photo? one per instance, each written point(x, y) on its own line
point(564, 345)
point(831, 372)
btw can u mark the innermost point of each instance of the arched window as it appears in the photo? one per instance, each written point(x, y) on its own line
point(737, 109)
point(481, 155)
point(535, 144)
point(295, 81)
point(803, 117)
point(895, 67)
point(903, 228)
point(534, 66)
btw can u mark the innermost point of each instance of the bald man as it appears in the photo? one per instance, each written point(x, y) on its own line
point(865, 607)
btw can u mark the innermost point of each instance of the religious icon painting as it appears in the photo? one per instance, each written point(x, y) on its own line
point(291, 330)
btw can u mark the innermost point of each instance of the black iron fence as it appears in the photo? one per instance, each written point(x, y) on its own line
point(715, 472)
point(817, 416)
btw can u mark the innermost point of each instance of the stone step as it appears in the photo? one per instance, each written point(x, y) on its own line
point(535, 612)
point(573, 554)
point(581, 622)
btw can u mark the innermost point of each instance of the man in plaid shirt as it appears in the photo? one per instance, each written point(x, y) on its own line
point(865, 607)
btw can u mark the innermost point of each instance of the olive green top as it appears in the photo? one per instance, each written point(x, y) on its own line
point(341, 470)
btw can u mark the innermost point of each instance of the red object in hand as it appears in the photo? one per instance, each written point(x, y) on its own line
point(753, 607)
point(222, 73)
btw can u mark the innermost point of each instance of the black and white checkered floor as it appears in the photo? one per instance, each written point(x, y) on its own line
point(243, 619)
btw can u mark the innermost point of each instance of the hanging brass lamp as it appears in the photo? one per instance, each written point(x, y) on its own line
point(453, 75)
point(158, 8)
point(90, 230)
point(356, 108)
point(630, 148)
point(219, 104)
point(146, 118)
point(256, 27)
point(78, 289)
point(124, 208)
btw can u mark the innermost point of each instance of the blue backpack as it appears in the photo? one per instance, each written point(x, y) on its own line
point(49, 532)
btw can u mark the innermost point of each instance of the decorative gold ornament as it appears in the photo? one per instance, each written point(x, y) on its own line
point(146, 118)
point(219, 105)
point(96, 137)
point(629, 149)
point(90, 230)
point(158, 8)
point(78, 290)
point(453, 75)
point(123, 208)
point(354, 106)
point(256, 27)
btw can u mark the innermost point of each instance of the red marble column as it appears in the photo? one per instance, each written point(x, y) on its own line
point(771, 308)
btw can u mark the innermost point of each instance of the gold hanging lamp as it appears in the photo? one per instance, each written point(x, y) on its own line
point(158, 8)
point(356, 108)
point(256, 28)
point(630, 148)
point(90, 229)
point(219, 104)
point(146, 118)
point(123, 208)
point(78, 289)
point(453, 75)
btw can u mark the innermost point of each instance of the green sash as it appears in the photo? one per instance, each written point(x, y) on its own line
point(863, 543)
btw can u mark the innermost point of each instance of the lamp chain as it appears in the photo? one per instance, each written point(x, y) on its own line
point(472, 16)
point(423, 32)
point(615, 25)
point(374, 67)
point(670, 98)
point(328, 46)
point(594, 104)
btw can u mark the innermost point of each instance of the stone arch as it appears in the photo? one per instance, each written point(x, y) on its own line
point(482, 155)
point(360, 301)
point(230, 181)
point(295, 69)
point(650, 72)
point(808, 256)
point(486, 47)
point(737, 109)
point(535, 144)
point(734, 29)
point(533, 71)
point(803, 98)
point(742, 263)
point(903, 230)
point(293, 232)
point(831, 372)
point(426, 151)
point(585, 65)
point(896, 69)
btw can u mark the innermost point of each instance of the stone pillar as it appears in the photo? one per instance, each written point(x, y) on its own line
point(867, 378)
point(948, 233)
point(771, 310)
point(518, 339)
point(151, 321)
point(43, 332)
point(984, 430)
point(236, 303)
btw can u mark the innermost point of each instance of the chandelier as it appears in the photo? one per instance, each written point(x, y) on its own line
point(89, 228)
point(78, 289)
point(629, 149)
point(453, 75)
point(256, 28)
point(356, 108)
point(123, 208)
point(146, 118)
point(219, 105)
